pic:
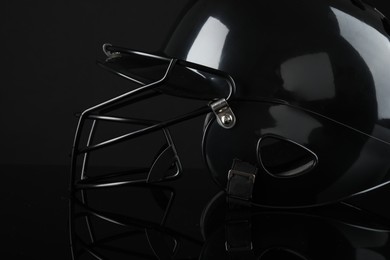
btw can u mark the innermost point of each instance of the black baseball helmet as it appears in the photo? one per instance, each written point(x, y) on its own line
point(297, 92)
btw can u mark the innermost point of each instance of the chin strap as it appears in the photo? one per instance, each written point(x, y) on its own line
point(238, 229)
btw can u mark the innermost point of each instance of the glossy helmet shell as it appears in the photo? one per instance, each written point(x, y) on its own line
point(312, 96)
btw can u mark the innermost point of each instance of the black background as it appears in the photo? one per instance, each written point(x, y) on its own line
point(48, 73)
point(49, 70)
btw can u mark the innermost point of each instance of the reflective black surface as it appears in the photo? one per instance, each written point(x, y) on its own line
point(175, 221)
point(127, 220)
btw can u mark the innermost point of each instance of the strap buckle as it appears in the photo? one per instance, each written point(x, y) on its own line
point(250, 176)
point(230, 248)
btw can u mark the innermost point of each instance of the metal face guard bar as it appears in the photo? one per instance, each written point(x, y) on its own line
point(168, 157)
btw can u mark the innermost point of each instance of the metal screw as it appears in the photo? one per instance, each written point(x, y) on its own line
point(226, 119)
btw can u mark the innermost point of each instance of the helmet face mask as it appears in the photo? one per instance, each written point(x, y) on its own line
point(167, 158)
point(305, 103)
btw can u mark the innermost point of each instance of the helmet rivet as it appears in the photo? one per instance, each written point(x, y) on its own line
point(227, 119)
